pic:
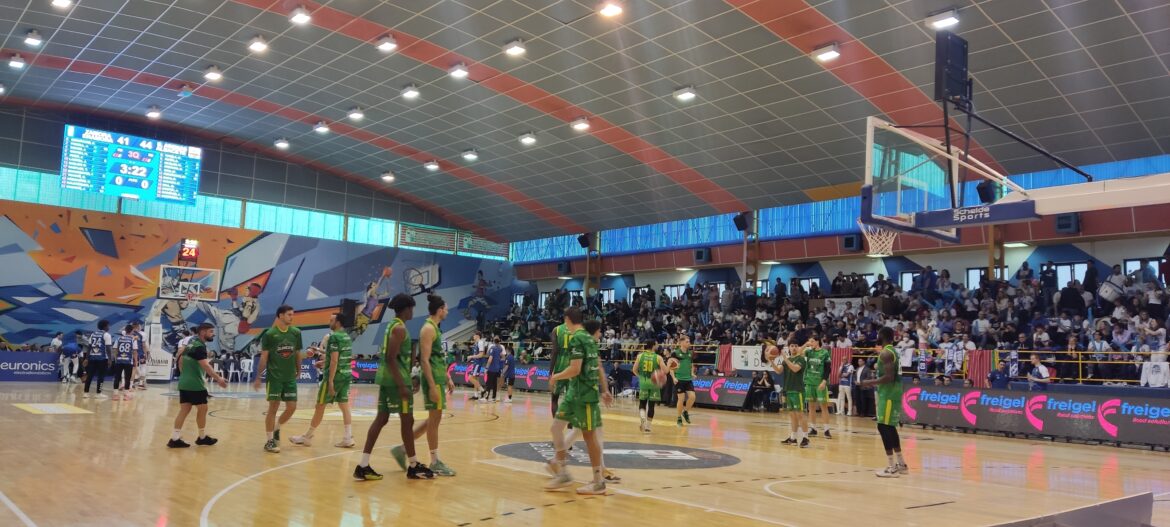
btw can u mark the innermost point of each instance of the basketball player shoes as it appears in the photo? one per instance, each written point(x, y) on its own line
point(272, 446)
point(346, 442)
point(419, 471)
point(888, 472)
point(592, 489)
point(366, 473)
point(441, 469)
point(304, 440)
point(559, 481)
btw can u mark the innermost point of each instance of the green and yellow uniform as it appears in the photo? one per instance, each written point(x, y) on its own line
point(889, 395)
point(339, 343)
point(794, 383)
point(645, 366)
point(284, 365)
point(818, 363)
point(438, 372)
point(561, 348)
point(686, 361)
point(388, 398)
point(190, 374)
point(580, 405)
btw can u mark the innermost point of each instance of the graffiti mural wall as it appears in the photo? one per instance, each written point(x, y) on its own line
point(66, 269)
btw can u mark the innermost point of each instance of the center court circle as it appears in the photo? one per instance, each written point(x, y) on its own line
point(625, 455)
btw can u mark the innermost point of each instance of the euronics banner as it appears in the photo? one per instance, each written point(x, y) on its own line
point(28, 366)
point(1110, 418)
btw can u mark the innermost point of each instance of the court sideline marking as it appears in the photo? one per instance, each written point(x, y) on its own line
point(768, 489)
point(16, 510)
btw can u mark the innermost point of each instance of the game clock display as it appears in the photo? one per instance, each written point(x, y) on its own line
point(129, 166)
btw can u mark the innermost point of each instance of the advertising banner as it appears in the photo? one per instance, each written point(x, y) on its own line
point(730, 392)
point(531, 377)
point(1108, 418)
point(748, 358)
point(158, 362)
point(364, 370)
point(25, 366)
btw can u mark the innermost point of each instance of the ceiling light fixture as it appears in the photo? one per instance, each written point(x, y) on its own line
point(3, 89)
point(826, 53)
point(470, 154)
point(1015, 245)
point(610, 9)
point(300, 16)
point(33, 39)
point(212, 74)
point(281, 143)
point(564, 278)
point(410, 92)
point(388, 176)
point(258, 44)
point(515, 47)
point(877, 255)
point(458, 71)
point(387, 44)
point(683, 269)
point(185, 91)
point(61, 4)
point(613, 274)
point(580, 124)
point(153, 112)
point(685, 94)
point(770, 262)
point(321, 127)
point(943, 20)
point(528, 139)
point(356, 114)
point(16, 62)
point(431, 165)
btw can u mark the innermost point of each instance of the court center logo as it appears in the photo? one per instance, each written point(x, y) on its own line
point(908, 399)
point(625, 455)
point(1106, 409)
point(970, 399)
point(1035, 403)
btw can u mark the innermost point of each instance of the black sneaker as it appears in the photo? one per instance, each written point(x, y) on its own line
point(789, 441)
point(178, 443)
point(828, 435)
point(804, 443)
point(687, 416)
point(812, 432)
point(276, 434)
point(206, 441)
point(361, 473)
point(419, 471)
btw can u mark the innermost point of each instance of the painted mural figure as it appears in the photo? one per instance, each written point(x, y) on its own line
point(374, 296)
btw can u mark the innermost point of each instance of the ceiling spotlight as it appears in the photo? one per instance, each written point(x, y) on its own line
point(16, 62)
point(153, 112)
point(613, 274)
point(458, 71)
point(943, 20)
point(826, 53)
point(258, 44)
point(321, 127)
point(62, 4)
point(431, 165)
point(1015, 245)
point(33, 39)
point(410, 92)
point(470, 154)
point(770, 262)
point(185, 91)
point(610, 9)
point(515, 48)
point(387, 44)
point(564, 278)
point(683, 269)
point(685, 94)
point(388, 176)
point(281, 143)
point(355, 114)
point(580, 124)
point(299, 16)
point(212, 74)
point(528, 139)
point(3, 89)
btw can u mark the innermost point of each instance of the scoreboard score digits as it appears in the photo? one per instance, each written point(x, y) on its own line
point(128, 166)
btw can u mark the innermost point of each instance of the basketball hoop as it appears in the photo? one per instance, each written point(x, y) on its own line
point(881, 239)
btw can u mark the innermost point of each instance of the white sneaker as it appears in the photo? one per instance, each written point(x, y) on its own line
point(559, 481)
point(508, 400)
point(345, 443)
point(592, 489)
point(101, 396)
point(552, 467)
point(903, 469)
point(888, 472)
point(86, 395)
point(301, 440)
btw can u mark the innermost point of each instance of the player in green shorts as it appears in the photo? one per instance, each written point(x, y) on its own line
point(559, 361)
point(435, 385)
point(889, 401)
point(646, 365)
point(337, 362)
point(193, 364)
point(792, 364)
point(587, 387)
point(816, 384)
point(684, 375)
point(281, 356)
point(394, 393)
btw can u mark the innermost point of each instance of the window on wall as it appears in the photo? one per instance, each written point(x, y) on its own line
point(607, 296)
point(1066, 272)
point(298, 222)
point(372, 231)
point(543, 299)
point(576, 297)
point(675, 291)
point(807, 283)
point(762, 287)
point(1133, 264)
point(208, 210)
point(906, 279)
point(974, 274)
point(636, 290)
point(518, 299)
point(44, 188)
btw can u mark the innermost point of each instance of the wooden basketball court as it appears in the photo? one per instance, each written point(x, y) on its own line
point(71, 461)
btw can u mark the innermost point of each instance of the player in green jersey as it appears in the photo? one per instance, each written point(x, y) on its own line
point(816, 384)
point(394, 392)
point(559, 360)
point(792, 364)
point(192, 391)
point(435, 386)
point(684, 376)
point(337, 362)
point(647, 365)
point(889, 404)
point(586, 388)
point(281, 356)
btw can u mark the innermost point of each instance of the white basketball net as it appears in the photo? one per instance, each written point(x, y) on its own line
point(881, 239)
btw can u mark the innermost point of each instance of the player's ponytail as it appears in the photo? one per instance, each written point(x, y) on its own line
point(435, 303)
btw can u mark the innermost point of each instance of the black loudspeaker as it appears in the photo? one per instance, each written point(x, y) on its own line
point(564, 268)
point(851, 242)
point(1068, 223)
point(987, 191)
point(702, 255)
point(950, 66)
point(740, 221)
point(349, 311)
point(585, 240)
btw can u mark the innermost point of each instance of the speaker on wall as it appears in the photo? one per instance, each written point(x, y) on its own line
point(702, 255)
point(740, 221)
point(585, 240)
point(987, 191)
point(851, 242)
point(1068, 223)
point(564, 268)
point(349, 311)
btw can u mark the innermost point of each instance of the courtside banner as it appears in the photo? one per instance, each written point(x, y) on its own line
point(727, 392)
point(531, 377)
point(1109, 418)
point(28, 366)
